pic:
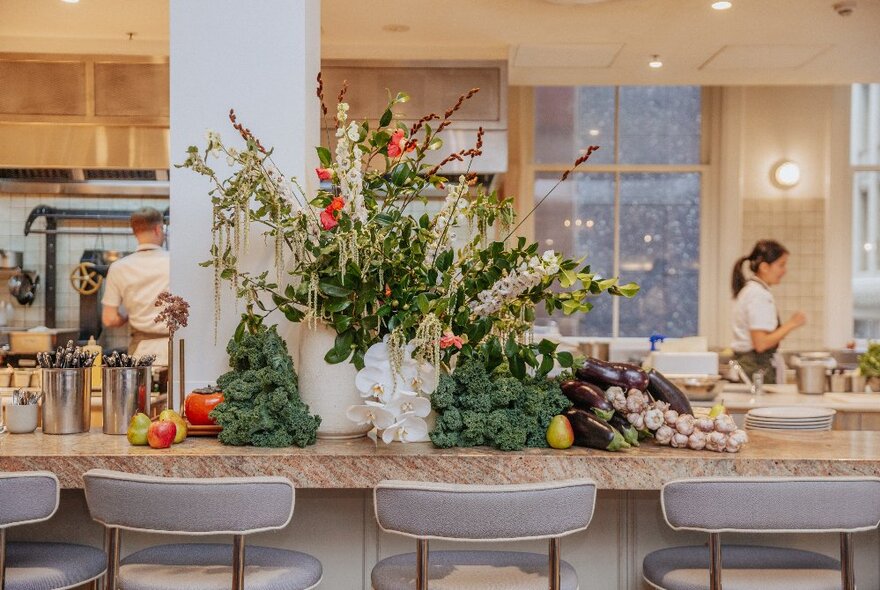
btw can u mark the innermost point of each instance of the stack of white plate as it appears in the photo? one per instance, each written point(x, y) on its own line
point(790, 418)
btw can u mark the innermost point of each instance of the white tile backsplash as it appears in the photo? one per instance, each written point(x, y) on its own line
point(14, 210)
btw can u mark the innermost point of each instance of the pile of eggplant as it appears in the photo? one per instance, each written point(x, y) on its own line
point(617, 404)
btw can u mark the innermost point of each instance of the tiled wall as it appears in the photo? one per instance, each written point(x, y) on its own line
point(14, 210)
point(799, 225)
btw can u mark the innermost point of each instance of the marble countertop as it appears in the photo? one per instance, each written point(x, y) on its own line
point(361, 464)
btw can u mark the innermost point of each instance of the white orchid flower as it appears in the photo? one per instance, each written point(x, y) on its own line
point(370, 413)
point(409, 405)
point(408, 429)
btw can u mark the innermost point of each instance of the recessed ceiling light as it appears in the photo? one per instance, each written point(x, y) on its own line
point(396, 28)
point(722, 5)
point(594, 132)
point(655, 62)
point(71, 1)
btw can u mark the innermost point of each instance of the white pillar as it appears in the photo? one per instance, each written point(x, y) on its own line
point(260, 58)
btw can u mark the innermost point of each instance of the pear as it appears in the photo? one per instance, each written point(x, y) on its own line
point(560, 434)
point(180, 423)
point(137, 429)
point(717, 410)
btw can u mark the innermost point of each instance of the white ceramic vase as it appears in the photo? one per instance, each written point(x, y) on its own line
point(328, 389)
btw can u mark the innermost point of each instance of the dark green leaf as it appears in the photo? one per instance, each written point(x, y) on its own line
point(334, 290)
point(386, 118)
point(546, 347)
point(566, 360)
point(324, 156)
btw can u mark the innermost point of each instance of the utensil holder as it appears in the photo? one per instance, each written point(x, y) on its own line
point(125, 391)
point(67, 400)
point(21, 419)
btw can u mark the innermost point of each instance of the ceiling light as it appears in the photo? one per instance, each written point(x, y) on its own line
point(589, 223)
point(723, 5)
point(567, 223)
point(396, 28)
point(594, 132)
point(655, 62)
point(71, 1)
point(786, 174)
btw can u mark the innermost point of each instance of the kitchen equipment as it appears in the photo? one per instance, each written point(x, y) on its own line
point(22, 377)
point(21, 419)
point(66, 400)
point(23, 286)
point(684, 363)
point(698, 387)
point(125, 392)
point(6, 312)
point(10, 259)
point(40, 339)
point(837, 381)
point(858, 383)
point(790, 418)
point(810, 370)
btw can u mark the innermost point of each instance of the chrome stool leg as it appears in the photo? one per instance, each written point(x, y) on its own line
point(847, 574)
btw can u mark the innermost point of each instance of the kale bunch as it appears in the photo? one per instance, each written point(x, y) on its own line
point(261, 404)
point(478, 408)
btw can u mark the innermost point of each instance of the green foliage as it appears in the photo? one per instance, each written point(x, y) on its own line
point(869, 363)
point(477, 407)
point(261, 404)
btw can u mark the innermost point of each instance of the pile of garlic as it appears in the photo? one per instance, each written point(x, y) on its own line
point(678, 430)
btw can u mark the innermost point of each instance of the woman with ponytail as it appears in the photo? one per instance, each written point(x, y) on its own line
point(757, 330)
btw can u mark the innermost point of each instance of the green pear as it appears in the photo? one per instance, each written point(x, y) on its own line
point(137, 429)
point(560, 434)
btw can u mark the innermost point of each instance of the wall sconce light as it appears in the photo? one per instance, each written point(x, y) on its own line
point(786, 174)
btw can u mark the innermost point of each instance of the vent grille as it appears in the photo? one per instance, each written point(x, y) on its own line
point(37, 174)
point(117, 174)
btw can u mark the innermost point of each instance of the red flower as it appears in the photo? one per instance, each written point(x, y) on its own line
point(449, 339)
point(324, 173)
point(398, 144)
point(336, 204)
point(328, 221)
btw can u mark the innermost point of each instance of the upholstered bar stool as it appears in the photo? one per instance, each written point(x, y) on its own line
point(28, 497)
point(762, 505)
point(177, 506)
point(442, 511)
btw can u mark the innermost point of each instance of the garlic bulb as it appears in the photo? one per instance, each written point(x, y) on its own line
point(664, 435)
point(679, 440)
point(697, 440)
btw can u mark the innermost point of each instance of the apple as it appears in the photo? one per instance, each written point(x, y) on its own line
point(161, 434)
point(137, 429)
point(560, 434)
point(172, 416)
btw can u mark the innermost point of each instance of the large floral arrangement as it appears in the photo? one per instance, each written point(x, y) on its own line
point(353, 256)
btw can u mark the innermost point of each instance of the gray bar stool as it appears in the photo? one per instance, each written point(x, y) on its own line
point(224, 506)
point(480, 513)
point(28, 497)
point(841, 505)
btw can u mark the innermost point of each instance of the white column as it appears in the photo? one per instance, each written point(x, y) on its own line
point(260, 58)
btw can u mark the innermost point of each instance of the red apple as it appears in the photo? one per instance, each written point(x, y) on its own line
point(161, 434)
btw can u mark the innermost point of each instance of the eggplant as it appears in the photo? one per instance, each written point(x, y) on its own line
point(629, 432)
point(664, 390)
point(606, 374)
point(587, 396)
point(594, 432)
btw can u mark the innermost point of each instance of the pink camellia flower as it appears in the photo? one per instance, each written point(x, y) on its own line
point(324, 173)
point(449, 339)
point(398, 144)
point(328, 221)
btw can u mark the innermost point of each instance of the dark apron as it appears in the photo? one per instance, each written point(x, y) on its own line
point(753, 361)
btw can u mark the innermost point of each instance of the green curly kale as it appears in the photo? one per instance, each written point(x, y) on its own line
point(478, 408)
point(261, 404)
point(869, 362)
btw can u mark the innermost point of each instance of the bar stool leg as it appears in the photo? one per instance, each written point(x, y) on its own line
point(238, 562)
point(847, 575)
point(422, 564)
point(2, 559)
point(112, 557)
point(714, 561)
point(555, 581)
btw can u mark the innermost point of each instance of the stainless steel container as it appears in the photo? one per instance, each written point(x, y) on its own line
point(66, 400)
point(125, 392)
point(811, 377)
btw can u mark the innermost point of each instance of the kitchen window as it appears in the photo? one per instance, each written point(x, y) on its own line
point(634, 208)
point(865, 160)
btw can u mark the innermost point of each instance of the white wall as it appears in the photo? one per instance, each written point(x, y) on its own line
point(260, 58)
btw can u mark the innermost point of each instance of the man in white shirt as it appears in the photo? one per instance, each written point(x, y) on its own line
point(134, 283)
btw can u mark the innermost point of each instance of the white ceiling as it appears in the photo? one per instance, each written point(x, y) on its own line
point(546, 42)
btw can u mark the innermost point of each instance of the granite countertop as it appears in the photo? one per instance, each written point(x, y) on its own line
point(361, 464)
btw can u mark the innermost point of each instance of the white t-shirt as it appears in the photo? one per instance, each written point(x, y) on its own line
point(754, 309)
point(135, 281)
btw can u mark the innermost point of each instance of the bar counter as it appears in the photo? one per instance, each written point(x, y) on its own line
point(359, 464)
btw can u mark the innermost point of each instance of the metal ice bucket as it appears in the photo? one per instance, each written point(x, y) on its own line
point(66, 400)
